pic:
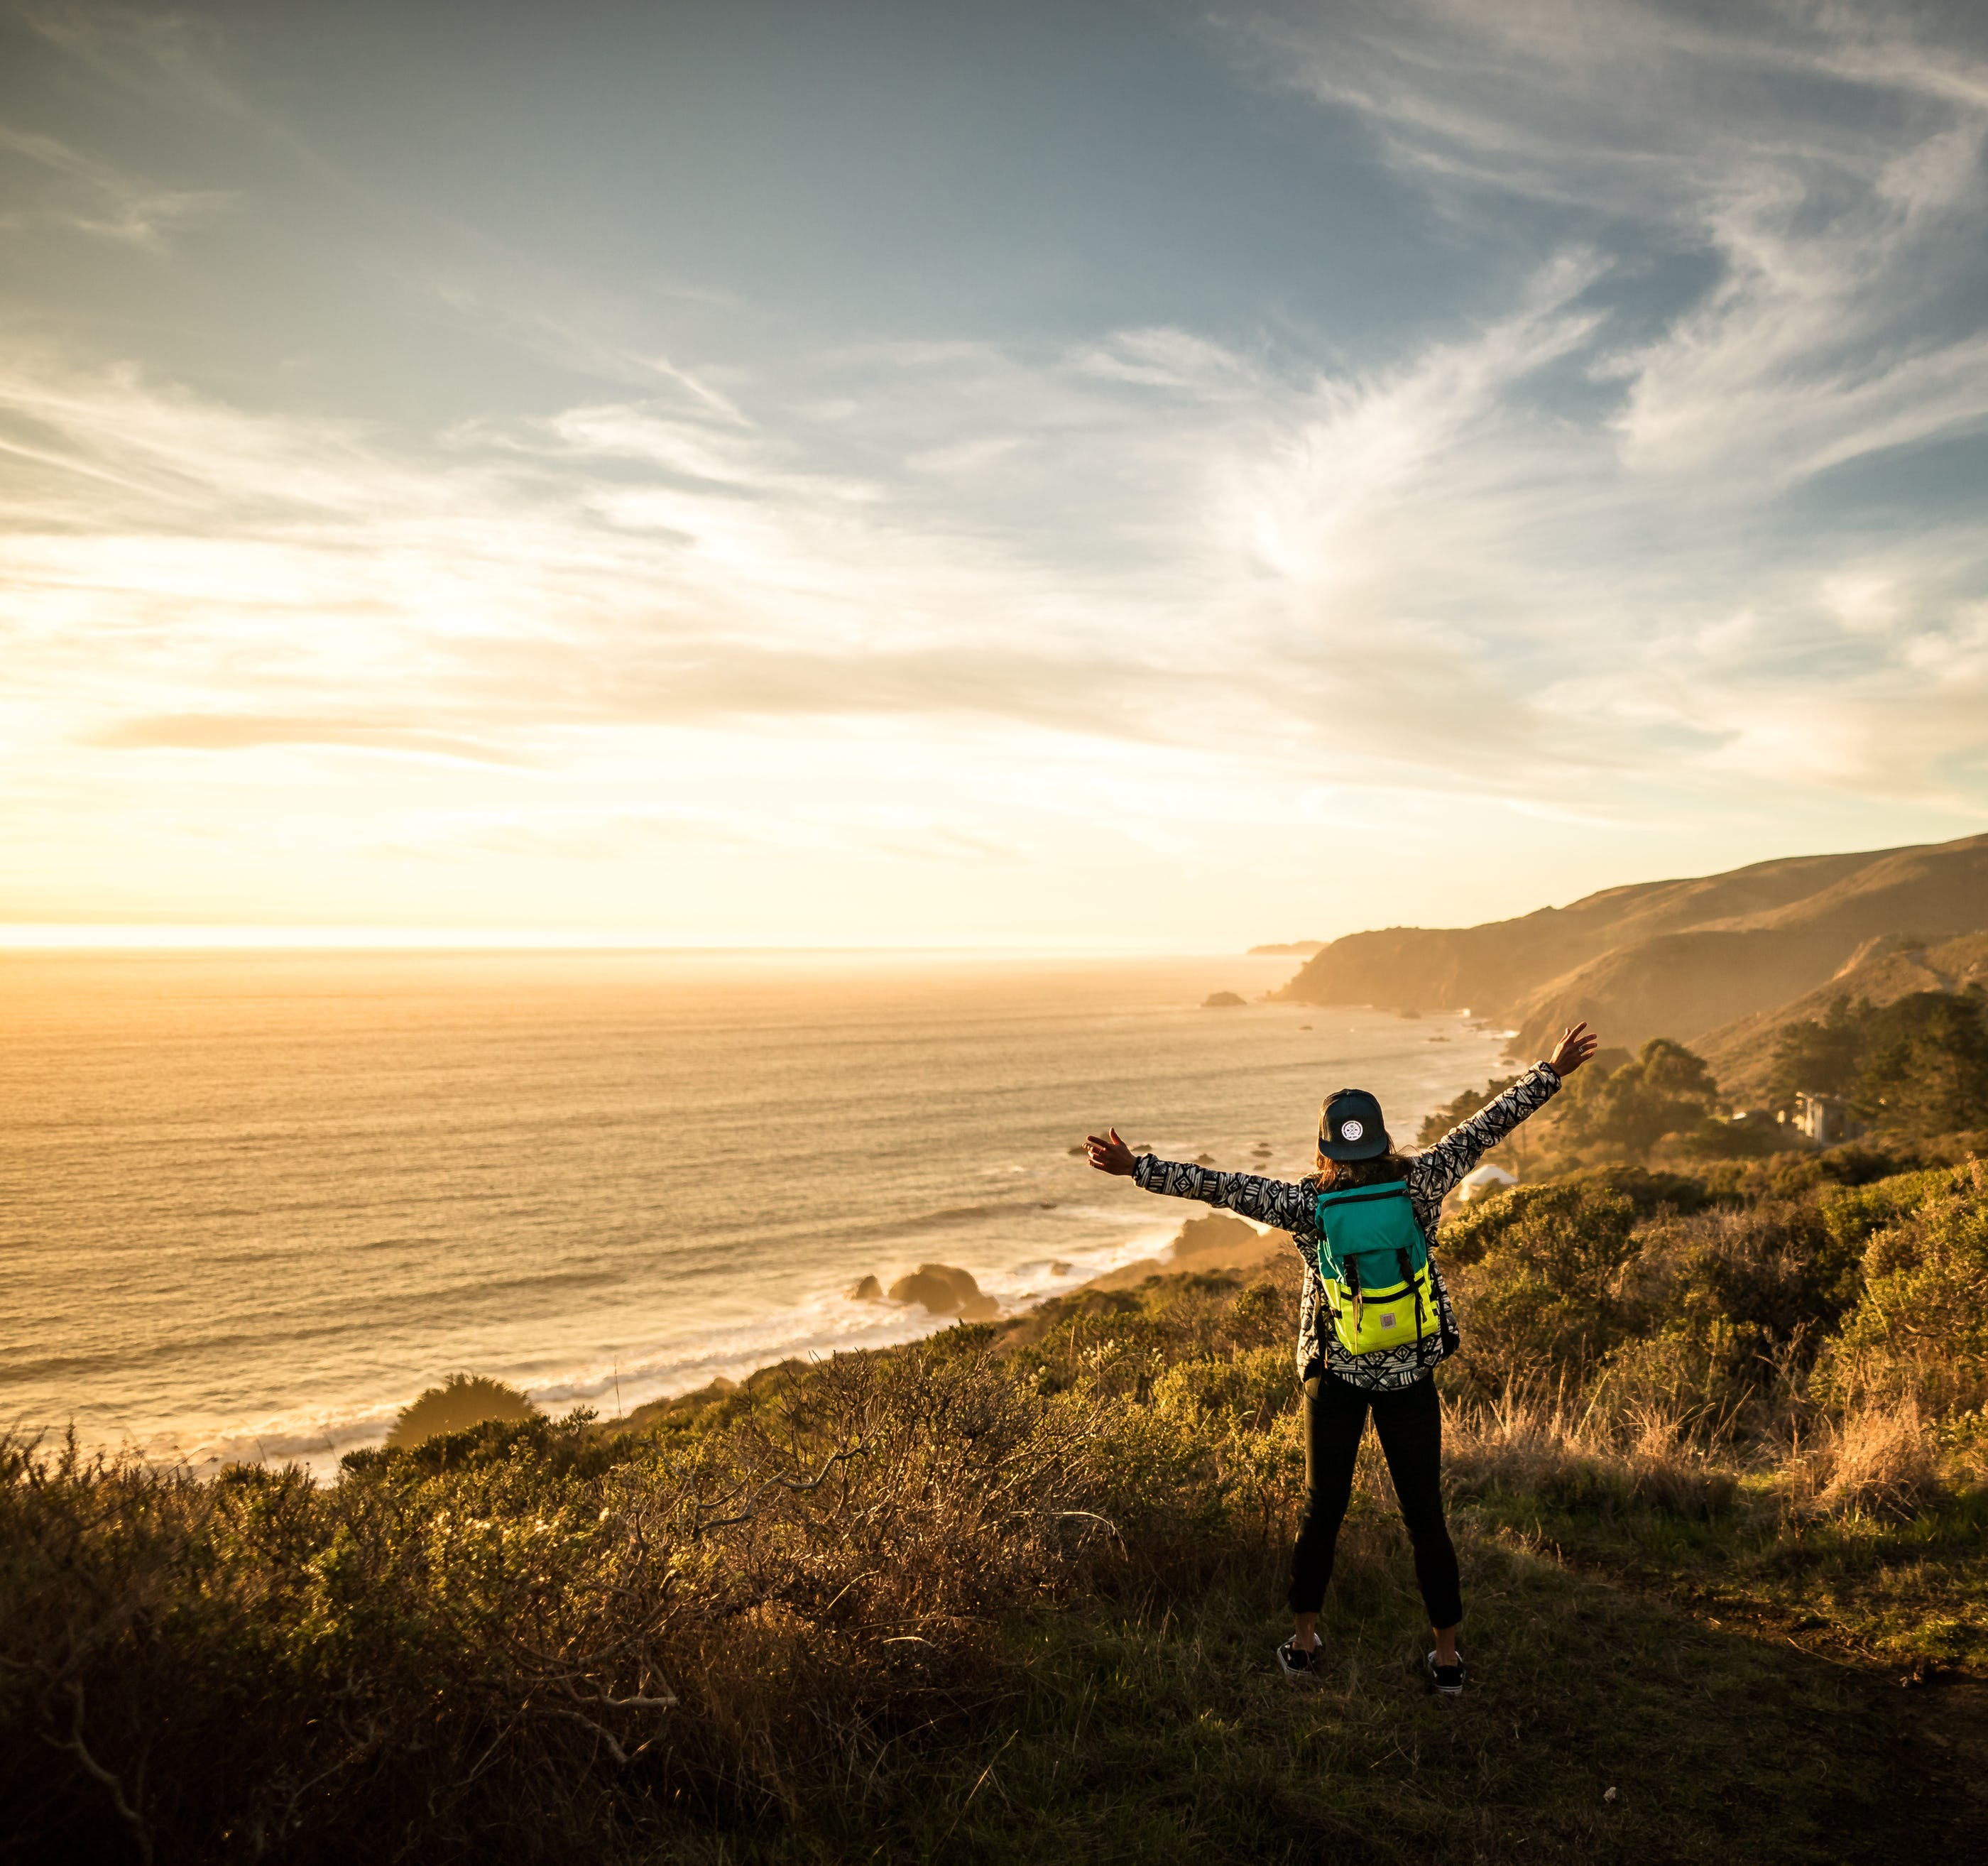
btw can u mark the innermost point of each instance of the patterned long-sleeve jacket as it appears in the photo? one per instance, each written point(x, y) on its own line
point(1292, 1208)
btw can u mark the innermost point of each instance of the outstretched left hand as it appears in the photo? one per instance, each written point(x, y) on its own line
point(1109, 1154)
point(1574, 1048)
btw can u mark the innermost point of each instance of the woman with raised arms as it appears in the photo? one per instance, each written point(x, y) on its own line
point(1374, 1320)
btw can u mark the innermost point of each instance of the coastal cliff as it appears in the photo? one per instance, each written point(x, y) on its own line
point(1683, 958)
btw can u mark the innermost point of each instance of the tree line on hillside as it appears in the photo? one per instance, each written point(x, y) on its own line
point(1916, 1067)
point(1913, 1070)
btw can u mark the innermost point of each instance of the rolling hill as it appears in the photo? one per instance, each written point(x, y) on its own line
point(1882, 971)
point(1718, 960)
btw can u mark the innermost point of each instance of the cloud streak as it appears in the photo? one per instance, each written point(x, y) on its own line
point(100, 199)
point(1606, 542)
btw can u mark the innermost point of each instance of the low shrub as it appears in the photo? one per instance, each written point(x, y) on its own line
point(1539, 1281)
point(1920, 1329)
point(532, 1639)
point(461, 1402)
point(536, 1628)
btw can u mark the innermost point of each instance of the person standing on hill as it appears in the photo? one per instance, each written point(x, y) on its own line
point(1374, 1320)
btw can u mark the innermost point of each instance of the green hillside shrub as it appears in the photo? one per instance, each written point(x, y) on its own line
point(1538, 1288)
point(461, 1402)
point(535, 1627)
point(541, 1640)
point(1921, 1326)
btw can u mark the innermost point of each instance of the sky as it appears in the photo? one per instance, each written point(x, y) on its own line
point(1129, 475)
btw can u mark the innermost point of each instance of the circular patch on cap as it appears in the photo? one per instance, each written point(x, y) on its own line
point(1350, 1131)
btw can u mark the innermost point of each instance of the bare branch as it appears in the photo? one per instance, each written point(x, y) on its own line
point(798, 1486)
point(141, 1835)
point(586, 1723)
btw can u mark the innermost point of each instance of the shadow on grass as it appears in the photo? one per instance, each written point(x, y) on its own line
point(1164, 1733)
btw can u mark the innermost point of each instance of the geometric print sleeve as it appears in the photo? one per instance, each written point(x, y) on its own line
point(1292, 1208)
point(1433, 1173)
point(1275, 1203)
point(1288, 1205)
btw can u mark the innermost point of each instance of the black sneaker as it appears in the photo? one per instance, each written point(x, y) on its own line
point(1448, 1679)
point(1294, 1662)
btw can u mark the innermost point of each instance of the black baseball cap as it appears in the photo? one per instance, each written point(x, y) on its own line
point(1352, 1127)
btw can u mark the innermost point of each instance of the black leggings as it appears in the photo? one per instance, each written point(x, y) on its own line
point(1409, 1420)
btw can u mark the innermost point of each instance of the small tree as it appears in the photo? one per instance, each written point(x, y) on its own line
point(1666, 1089)
point(1821, 1057)
point(461, 1400)
point(1925, 1065)
point(1436, 1125)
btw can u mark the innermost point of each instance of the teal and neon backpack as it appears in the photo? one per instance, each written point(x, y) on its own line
point(1374, 1263)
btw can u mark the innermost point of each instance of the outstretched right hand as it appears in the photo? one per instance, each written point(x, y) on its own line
point(1575, 1046)
point(1109, 1154)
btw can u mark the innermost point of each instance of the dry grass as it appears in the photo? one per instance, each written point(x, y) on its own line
point(1526, 1444)
point(537, 1640)
point(1881, 1458)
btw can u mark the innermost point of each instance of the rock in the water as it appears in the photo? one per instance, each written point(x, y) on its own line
point(944, 1290)
point(1221, 1001)
point(865, 1289)
point(1217, 1234)
point(1215, 1242)
point(1059, 1267)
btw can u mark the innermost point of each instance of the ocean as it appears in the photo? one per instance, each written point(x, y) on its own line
point(251, 1204)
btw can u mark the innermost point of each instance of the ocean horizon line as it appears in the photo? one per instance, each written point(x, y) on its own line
point(154, 936)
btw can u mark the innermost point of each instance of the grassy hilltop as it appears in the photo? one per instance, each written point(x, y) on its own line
point(1719, 1469)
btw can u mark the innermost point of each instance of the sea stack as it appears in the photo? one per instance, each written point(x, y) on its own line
point(944, 1290)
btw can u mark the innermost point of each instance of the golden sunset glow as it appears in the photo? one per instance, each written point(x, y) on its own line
point(819, 819)
point(437, 517)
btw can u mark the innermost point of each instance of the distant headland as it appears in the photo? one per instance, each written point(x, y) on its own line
point(1719, 962)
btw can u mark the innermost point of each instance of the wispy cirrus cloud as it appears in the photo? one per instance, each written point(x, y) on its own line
point(93, 196)
point(239, 732)
point(1827, 161)
point(1635, 524)
point(1606, 541)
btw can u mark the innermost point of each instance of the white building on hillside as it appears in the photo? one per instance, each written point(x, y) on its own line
point(1487, 1179)
point(1826, 1119)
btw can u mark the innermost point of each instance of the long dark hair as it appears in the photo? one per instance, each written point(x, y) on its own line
point(1340, 1175)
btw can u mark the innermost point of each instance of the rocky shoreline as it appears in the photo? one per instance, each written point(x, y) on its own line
point(1217, 1242)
